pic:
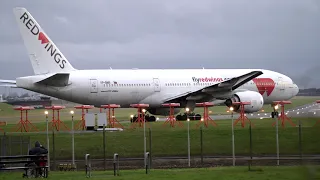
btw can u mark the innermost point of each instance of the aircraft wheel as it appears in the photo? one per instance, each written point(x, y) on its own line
point(184, 117)
point(198, 117)
point(274, 114)
point(146, 118)
point(192, 116)
point(152, 119)
point(134, 119)
point(178, 117)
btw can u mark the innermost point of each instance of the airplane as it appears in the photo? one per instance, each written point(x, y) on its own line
point(55, 76)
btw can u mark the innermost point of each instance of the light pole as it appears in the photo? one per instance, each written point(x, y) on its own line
point(144, 138)
point(73, 164)
point(187, 112)
point(47, 124)
point(277, 132)
point(131, 116)
point(233, 151)
point(188, 122)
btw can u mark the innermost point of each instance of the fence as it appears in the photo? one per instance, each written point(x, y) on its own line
point(12, 145)
point(169, 147)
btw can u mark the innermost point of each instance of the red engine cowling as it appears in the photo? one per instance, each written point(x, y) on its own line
point(254, 98)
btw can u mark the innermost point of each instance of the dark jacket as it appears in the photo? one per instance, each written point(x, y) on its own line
point(38, 149)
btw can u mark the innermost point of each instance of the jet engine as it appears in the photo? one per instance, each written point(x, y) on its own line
point(254, 98)
point(162, 111)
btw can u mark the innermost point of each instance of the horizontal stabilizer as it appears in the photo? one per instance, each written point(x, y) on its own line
point(58, 80)
point(8, 83)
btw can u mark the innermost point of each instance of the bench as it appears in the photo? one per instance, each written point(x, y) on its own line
point(29, 165)
point(2, 123)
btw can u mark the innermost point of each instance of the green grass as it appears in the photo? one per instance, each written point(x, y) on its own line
point(168, 141)
point(221, 173)
point(123, 114)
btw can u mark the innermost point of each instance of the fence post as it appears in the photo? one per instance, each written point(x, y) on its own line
point(21, 142)
point(53, 150)
point(300, 142)
point(4, 145)
point(147, 156)
point(250, 132)
point(88, 165)
point(150, 145)
point(250, 148)
point(115, 164)
point(277, 139)
point(104, 147)
point(29, 146)
point(201, 145)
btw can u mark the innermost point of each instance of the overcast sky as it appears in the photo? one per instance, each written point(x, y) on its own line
point(280, 35)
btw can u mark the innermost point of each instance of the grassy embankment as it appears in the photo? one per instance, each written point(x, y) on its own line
point(221, 173)
point(168, 141)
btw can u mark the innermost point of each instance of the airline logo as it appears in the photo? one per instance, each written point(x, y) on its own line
point(34, 29)
point(206, 79)
point(264, 85)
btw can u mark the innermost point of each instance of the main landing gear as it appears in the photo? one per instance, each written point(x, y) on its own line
point(179, 117)
point(147, 118)
point(185, 116)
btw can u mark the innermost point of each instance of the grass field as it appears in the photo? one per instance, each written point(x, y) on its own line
point(11, 116)
point(168, 141)
point(221, 173)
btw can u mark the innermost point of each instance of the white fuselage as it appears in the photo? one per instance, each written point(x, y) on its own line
point(154, 86)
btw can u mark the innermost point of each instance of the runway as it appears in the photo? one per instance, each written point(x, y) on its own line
point(307, 110)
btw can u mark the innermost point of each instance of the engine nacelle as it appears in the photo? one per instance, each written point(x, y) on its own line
point(254, 98)
point(162, 111)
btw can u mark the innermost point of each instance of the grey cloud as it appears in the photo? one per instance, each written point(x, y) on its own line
point(276, 35)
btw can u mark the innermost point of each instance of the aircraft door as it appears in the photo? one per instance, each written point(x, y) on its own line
point(156, 85)
point(281, 84)
point(93, 86)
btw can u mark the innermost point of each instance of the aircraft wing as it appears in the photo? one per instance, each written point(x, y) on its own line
point(222, 87)
point(8, 83)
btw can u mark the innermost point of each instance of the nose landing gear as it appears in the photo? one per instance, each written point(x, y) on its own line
point(274, 114)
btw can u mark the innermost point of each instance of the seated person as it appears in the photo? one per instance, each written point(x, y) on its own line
point(38, 149)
